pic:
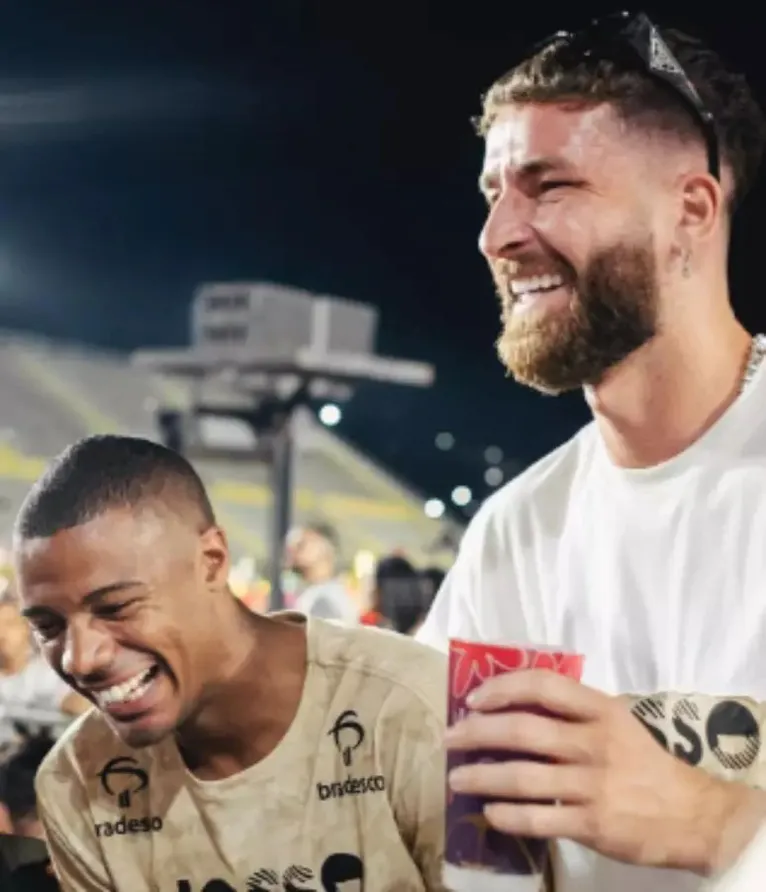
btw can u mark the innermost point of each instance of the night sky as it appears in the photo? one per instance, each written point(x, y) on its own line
point(146, 147)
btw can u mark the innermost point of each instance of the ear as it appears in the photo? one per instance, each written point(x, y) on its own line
point(214, 555)
point(703, 204)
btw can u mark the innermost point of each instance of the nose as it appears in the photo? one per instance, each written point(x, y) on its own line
point(507, 228)
point(87, 651)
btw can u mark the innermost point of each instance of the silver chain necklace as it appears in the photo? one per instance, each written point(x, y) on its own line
point(754, 360)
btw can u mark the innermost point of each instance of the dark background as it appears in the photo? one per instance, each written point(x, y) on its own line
point(146, 147)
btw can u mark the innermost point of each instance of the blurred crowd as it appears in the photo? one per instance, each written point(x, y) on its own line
point(394, 595)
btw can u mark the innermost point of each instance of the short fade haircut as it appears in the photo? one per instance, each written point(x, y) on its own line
point(551, 76)
point(104, 472)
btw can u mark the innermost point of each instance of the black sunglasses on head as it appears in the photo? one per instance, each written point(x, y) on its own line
point(632, 40)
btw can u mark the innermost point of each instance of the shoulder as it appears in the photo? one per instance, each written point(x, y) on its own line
point(384, 664)
point(64, 764)
point(540, 489)
point(545, 477)
point(395, 688)
point(482, 588)
point(76, 765)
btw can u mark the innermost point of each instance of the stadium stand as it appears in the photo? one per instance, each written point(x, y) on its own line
point(52, 394)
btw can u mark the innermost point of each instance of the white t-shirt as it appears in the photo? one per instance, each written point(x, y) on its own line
point(34, 695)
point(748, 873)
point(352, 798)
point(328, 600)
point(658, 576)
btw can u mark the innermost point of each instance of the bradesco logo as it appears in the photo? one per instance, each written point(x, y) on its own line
point(352, 786)
point(348, 735)
point(130, 779)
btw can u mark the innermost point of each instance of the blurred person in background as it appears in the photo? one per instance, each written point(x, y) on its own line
point(390, 594)
point(18, 768)
point(227, 749)
point(27, 683)
point(615, 158)
point(431, 580)
point(24, 861)
point(373, 616)
point(311, 553)
point(398, 594)
point(25, 866)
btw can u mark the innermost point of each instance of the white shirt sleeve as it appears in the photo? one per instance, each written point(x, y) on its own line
point(748, 873)
point(482, 598)
point(451, 615)
point(460, 602)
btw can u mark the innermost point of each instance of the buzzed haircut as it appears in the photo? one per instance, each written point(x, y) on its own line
point(105, 472)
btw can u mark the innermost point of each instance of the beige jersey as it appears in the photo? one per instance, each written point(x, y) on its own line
point(351, 799)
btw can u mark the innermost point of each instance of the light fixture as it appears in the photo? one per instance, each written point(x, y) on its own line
point(330, 414)
point(434, 508)
point(493, 455)
point(461, 496)
point(493, 476)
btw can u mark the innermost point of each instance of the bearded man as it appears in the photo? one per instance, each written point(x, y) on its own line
point(614, 160)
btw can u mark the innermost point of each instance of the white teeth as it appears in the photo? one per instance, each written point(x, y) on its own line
point(128, 690)
point(535, 283)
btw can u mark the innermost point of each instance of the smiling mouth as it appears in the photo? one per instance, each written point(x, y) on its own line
point(525, 295)
point(525, 289)
point(127, 691)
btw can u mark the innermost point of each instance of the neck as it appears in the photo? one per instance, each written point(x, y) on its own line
point(319, 572)
point(664, 397)
point(252, 701)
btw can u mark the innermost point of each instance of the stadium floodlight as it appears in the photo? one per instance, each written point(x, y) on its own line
point(493, 476)
point(330, 415)
point(434, 508)
point(259, 353)
point(493, 455)
point(461, 496)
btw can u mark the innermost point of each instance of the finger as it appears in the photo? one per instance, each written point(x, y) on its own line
point(540, 821)
point(525, 732)
point(525, 780)
point(543, 689)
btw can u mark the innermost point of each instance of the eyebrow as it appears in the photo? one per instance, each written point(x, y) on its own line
point(530, 170)
point(93, 597)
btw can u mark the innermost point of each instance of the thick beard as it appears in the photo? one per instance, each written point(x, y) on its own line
point(612, 314)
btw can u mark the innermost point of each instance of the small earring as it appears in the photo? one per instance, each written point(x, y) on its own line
point(686, 269)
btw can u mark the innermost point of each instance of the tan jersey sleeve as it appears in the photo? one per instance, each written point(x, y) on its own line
point(411, 728)
point(70, 837)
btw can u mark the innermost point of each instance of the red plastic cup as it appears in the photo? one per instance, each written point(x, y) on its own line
point(477, 857)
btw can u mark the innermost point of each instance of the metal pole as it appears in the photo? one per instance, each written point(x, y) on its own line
point(281, 471)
